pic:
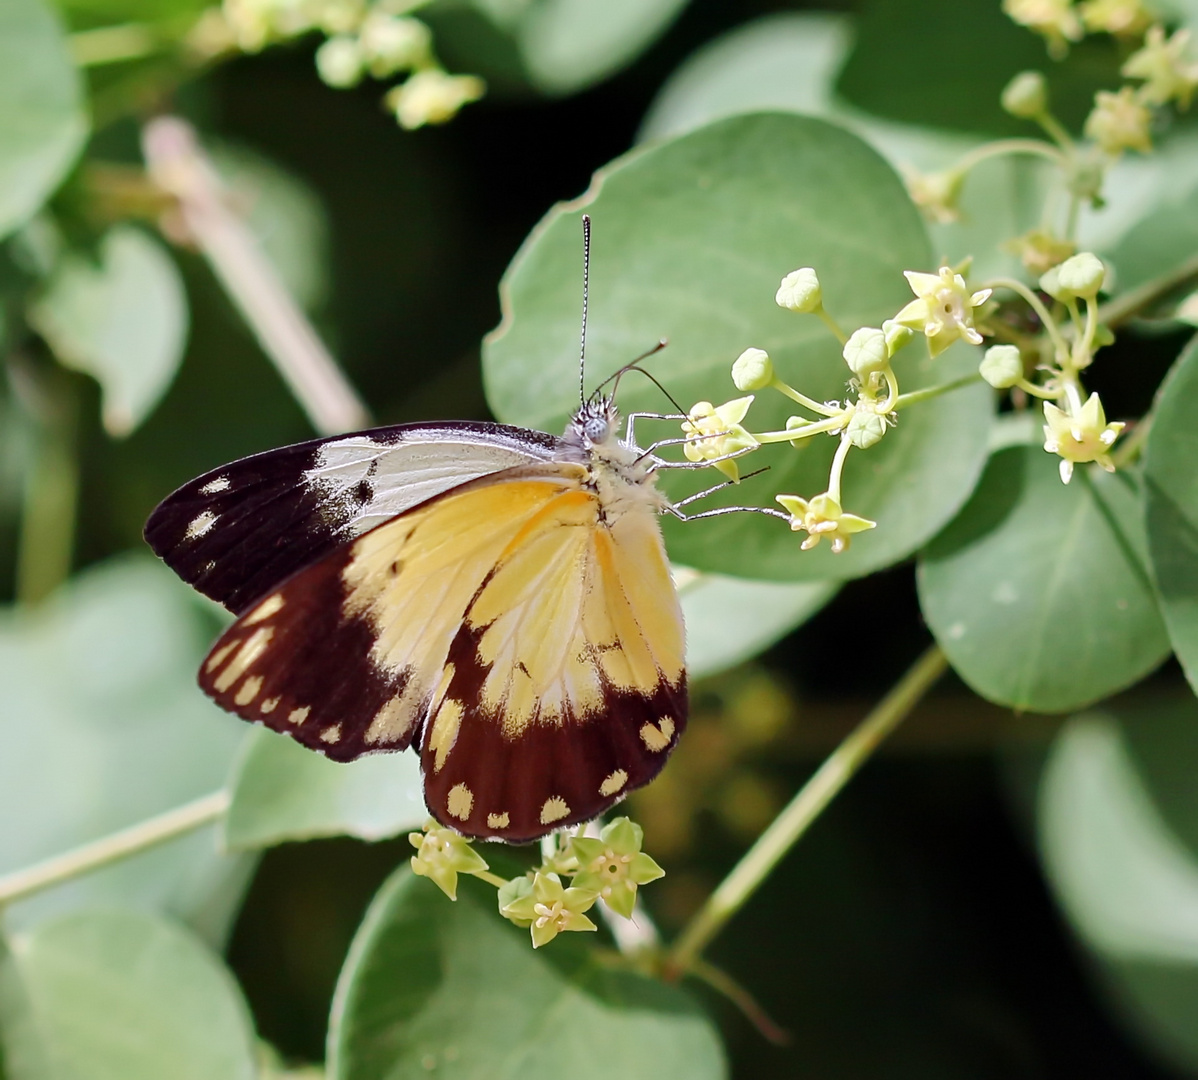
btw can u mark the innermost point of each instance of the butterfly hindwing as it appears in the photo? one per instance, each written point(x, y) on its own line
point(238, 531)
point(564, 688)
point(345, 655)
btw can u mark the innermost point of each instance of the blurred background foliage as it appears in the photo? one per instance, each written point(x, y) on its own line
point(1007, 894)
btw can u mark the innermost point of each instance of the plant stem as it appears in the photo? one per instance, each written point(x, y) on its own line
point(1009, 146)
point(1131, 303)
point(832, 325)
point(178, 164)
point(109, 849)
point(112, 44)
point(1050, 324)
point(810, 801)
point(804, 400)
point(914, 397)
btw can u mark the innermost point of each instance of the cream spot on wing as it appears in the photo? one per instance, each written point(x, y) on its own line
point(269, 705)
point(498, 821)
point(249, 690)
point(264, 610)
point(667, 726)
point(654, 738)
point(554, 809)
point(331, 734)
point(613, 783)
point(215, 487)
point(199, 525)
point(218, 657)
point(253, 647)
point(209, 566)
point(298, 716)
point(391, 722)
point(461, 801)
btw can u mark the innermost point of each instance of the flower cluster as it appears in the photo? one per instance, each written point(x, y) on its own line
point(376, 38)
point(607, 868)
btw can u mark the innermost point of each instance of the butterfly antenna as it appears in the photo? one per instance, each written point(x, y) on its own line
point(586, 278)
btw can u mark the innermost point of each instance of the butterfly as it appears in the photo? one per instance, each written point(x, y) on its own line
point(497, 598)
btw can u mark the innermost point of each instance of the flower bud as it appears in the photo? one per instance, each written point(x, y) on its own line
point(865, 428)
point(800, 291)
point(1026, 95)
point(1082, 275)
point(392, 44)
point(1002, 366)
point(866, 352)
point(339, 62)
point(753, 370)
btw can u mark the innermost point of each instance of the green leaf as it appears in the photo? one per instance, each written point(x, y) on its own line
point(556, 46)
point(42, 123)
point(435, 985)
point(729, 620)
point(1038, 592)
point(1117, 820)
point(791, 61)
point(103, 726)
point(283, 791)
point(121, 995)
point(1171, 481)
point(123, 321)
point(691, 238)
point(946, 66)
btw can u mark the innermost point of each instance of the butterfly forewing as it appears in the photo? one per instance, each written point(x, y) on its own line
point(237, 532)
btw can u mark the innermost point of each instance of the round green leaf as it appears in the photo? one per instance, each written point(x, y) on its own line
point(691, 238)
point(123, 996)
point(434, 985)
point(1117, 823)
point(729, 620)
point(103, 726)
point(1038, 592)
point(1171, 481)
point(123, 321)
point(791, 61)
point(42, 123)
point(283, 791)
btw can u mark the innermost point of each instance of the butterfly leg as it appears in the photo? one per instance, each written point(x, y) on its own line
point(728, 510)
point(634, 417)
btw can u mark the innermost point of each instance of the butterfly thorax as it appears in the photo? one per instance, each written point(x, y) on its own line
point(618, 472)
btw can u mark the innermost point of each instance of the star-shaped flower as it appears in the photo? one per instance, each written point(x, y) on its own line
point(614, 865)
point(1119, 122)
point(1081, 438)
point(822, 518)
point(1163, 66)
point(943, 308)
point(1055, 20)
point(720, 433)
point(547, 907)
point(442, 854)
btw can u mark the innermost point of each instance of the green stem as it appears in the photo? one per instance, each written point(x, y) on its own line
point(831, 424)
point(723, 983)
point(1004, 147)
point(842, 452)
point(807, 403)
point(1029, 387)
point(47, 536)
point(1050, 324)
point(832, 325)
point(112, 848)
point(914, 397)
point(785, 830)
point(1056, 131)
point(1132, 303)
point(489, 878)
point(113, 44)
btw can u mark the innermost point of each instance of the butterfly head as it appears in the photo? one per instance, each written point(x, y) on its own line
point(594, 424)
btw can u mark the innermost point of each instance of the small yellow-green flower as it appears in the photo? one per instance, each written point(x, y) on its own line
point(1163, 66)
point(823, 519)
point(1081, 438)
point(719, 432)
point(339, 62)
point(1123, 18)
point(441, 855)
point(614, 865)
point(1119, 122)
point(943, 308)
point(1039, 250)
point(935, 194)
point(549, 908)
point(1057, 21)
point(393, 43)
point(1082, 275)
point(432, 97)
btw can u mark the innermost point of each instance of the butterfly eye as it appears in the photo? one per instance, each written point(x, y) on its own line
point(596, 428)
